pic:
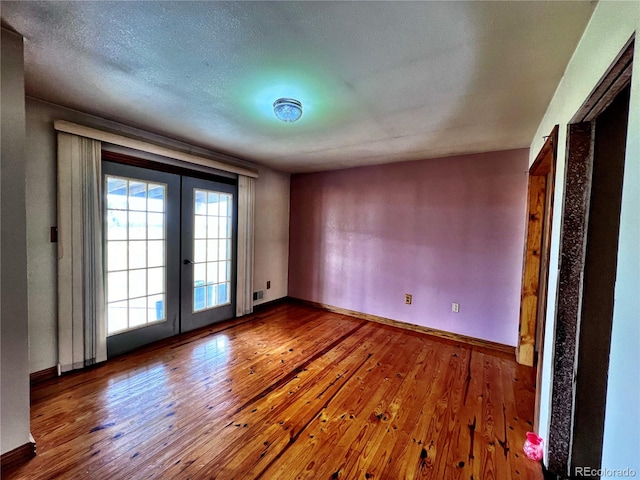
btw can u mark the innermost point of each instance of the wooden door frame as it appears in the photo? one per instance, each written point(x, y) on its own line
point(573, 244)
point(535, 271)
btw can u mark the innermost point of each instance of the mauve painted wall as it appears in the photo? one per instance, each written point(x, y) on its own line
point(445, 230)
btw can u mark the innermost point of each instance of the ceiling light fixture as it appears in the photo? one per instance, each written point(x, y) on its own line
point(287, 109)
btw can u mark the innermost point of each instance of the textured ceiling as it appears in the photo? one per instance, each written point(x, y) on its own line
point(379, 81)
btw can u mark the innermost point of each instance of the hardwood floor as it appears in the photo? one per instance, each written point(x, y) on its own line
point(290, 392)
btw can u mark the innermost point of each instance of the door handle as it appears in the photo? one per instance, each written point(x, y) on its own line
point(186, 261)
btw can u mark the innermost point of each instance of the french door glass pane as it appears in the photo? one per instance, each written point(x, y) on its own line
point(136, 239)
point(212, 249)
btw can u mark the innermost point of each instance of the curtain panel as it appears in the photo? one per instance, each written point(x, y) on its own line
point(246, 201)
point(81, 296)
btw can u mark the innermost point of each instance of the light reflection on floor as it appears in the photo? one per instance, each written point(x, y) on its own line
point(153, 389)
point(147, 377)
point(211, 355)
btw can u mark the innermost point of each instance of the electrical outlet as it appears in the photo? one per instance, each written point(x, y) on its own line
point(408, 298)
point(268, 284)
point(259, 295)
point(455, 307)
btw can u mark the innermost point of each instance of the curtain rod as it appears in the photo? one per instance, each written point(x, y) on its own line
point(116, 139)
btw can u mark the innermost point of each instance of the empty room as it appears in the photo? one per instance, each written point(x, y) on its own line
point(326, 240)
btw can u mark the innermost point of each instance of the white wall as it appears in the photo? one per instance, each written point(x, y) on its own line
point(622, 418)
point(271, 225)
point(611, 26)
point(14, 373)
point(272, 235)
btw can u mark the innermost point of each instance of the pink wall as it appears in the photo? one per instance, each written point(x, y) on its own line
point(445, 230)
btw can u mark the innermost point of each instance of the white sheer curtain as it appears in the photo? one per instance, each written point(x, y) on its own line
point(81, 300)
point(246, 200)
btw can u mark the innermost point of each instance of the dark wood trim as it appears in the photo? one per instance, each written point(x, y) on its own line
point(454, 337)
point(572, 246)
point(43, 375)
point(17, 456)
point(614, 80)
point(164, 167)
point(270, 303)
point(598, 283)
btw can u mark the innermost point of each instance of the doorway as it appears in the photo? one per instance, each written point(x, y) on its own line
point(170, 252)
point(596, 150)
point(535, 271)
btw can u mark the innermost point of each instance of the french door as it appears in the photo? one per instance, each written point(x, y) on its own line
point(170, 254)
point(209, 253)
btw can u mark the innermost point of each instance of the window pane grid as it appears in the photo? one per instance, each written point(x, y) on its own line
point(212, 249)
point(135, 253)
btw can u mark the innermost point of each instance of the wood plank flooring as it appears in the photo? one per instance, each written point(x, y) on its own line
point(289, 392)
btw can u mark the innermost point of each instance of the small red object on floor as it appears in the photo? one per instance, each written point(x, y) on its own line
point(534, 447)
